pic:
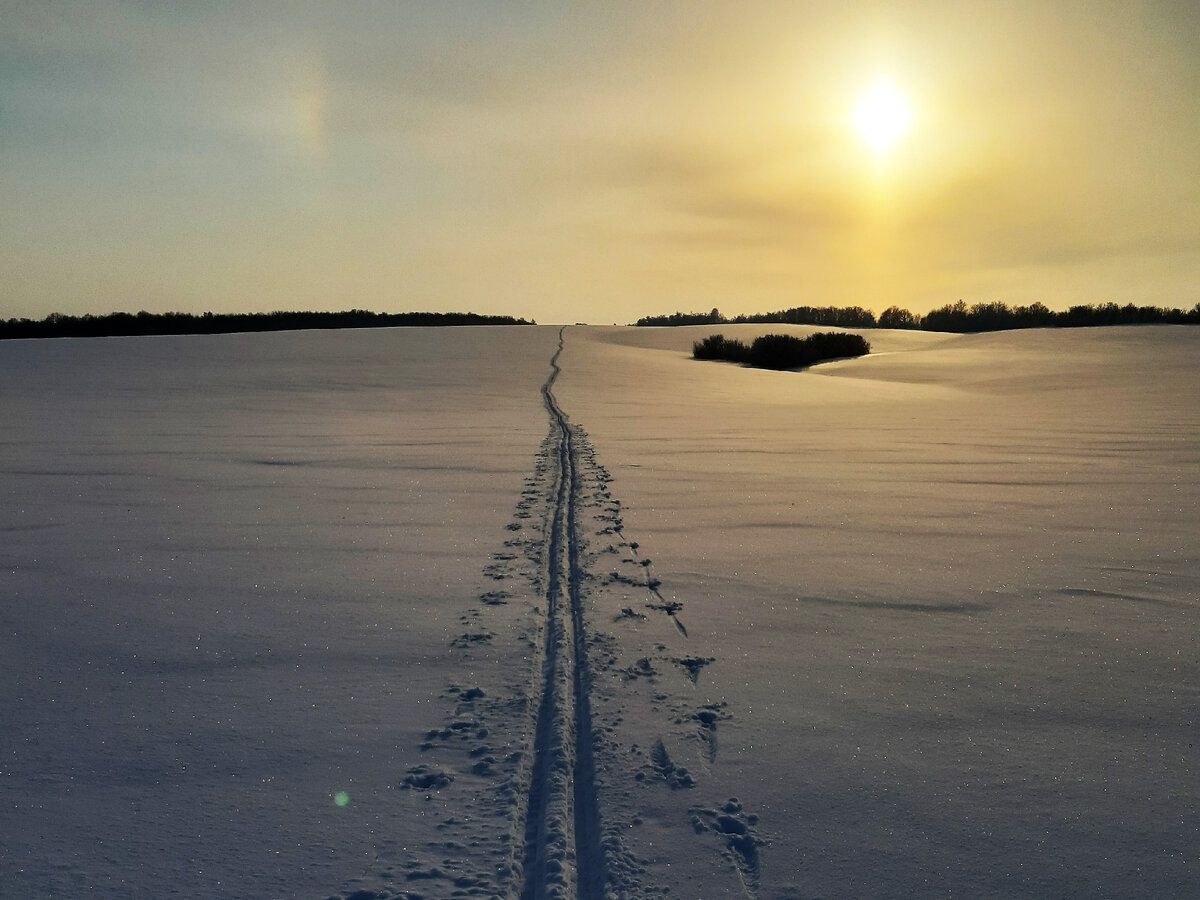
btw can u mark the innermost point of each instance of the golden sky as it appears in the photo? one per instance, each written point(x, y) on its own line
point(594, 161)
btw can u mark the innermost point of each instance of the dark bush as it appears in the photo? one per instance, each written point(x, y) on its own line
point(783, 351)
point(717, 346)
point(778, 351)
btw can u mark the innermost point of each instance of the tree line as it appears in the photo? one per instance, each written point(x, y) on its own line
point(119, 324)
point(955, 317)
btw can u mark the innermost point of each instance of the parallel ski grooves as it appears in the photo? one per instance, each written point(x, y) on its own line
point(563, 855)
point(589, 857)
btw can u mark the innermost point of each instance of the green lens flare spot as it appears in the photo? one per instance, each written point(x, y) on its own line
point(341, 798)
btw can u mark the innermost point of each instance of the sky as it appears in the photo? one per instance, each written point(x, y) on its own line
point(594, 162)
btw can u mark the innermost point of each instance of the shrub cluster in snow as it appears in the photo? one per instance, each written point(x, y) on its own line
point(783, 351)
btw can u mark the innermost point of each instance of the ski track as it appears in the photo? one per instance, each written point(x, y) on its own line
point(521, 806)
point(562, 822)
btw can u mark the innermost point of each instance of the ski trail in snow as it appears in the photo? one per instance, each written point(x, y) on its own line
point(570, 850)
point(537, 785)
point(562, 821)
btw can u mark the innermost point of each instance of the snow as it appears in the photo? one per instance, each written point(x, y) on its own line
point(939, 603)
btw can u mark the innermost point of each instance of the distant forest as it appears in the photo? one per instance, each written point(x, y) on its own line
point(957, 317)
point(123, 324)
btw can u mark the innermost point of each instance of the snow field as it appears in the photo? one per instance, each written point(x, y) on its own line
point(279, 616)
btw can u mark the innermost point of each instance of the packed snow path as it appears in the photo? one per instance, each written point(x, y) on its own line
point(562, 824)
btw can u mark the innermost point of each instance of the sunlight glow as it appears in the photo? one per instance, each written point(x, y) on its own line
point(882, 117)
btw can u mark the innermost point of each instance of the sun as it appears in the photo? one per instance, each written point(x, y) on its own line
point(883, 116)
